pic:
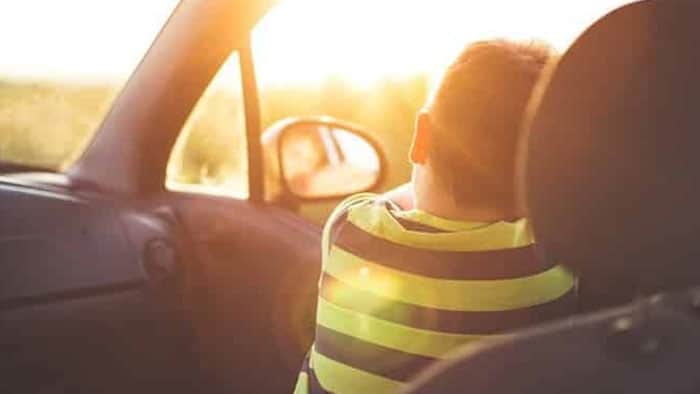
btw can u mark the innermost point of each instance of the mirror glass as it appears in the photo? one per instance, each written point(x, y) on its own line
point(322, 160)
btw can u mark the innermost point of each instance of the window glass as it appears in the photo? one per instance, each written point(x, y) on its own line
point(210, 155)
point(62, 64)
point(372, 62)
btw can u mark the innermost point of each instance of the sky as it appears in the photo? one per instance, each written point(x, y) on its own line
point(298, 42)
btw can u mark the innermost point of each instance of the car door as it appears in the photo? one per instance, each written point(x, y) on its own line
point(252, 266)
point(257, 263)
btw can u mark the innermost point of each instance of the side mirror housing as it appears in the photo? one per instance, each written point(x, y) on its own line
point(319, 158)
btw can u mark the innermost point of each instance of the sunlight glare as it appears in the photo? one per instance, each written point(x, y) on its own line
point(299, 42)
point(78, 40)
point(306, 41)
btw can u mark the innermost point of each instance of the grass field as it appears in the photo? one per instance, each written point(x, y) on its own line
point(48, 124)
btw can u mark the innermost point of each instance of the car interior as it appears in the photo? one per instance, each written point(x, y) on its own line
point(111, 282)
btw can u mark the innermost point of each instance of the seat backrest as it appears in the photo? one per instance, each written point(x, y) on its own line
point(612, 163)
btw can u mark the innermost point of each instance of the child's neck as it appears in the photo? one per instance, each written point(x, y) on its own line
point(430, 197)
point(472, 213)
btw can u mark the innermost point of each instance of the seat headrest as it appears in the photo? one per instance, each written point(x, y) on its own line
point(612, 148)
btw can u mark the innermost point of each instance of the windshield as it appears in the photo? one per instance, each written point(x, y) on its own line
point(63, 62)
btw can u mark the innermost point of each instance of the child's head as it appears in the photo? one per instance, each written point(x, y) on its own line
point(466, 136)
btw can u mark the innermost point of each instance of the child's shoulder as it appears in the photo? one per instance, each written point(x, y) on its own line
point(369, 206)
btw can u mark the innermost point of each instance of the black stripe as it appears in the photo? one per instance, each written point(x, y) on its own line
point(337, 226)
point(420, 227)
point(365, 356)
point(313, 384)
point(475, 265)
point(346, 296)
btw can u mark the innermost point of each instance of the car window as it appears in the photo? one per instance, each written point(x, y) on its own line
point(372, 62)
point(210, 155)
point(62, 65)
point(366, 60)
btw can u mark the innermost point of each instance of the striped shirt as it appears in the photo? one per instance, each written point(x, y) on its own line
point(401, 289)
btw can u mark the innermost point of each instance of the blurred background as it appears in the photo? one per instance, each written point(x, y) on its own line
point(371, 62)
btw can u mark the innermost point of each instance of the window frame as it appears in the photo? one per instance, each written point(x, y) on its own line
point(252, 129)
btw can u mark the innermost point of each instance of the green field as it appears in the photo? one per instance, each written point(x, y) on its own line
point(48, 124)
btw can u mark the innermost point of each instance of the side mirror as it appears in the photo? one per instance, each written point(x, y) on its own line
point(322, 158)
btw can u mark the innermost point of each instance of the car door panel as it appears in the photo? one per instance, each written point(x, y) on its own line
point(258, 268)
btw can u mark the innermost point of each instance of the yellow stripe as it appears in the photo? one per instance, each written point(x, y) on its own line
point(302, 386)
point(391, 335)
point(335, 215)
point(341, 379)
point(456, 295)
point(376, 220)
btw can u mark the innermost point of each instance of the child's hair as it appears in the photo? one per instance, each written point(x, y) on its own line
point(476, 111)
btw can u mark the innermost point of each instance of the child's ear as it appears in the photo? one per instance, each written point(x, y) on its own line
point(421, 138)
